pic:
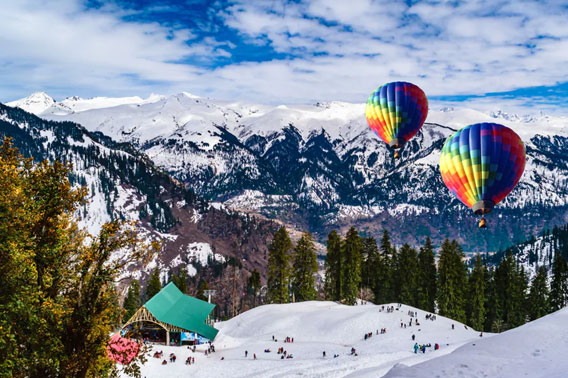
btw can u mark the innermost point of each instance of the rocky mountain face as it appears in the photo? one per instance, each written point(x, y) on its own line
point(124, 184)
point(537, 251)
point(319, 167)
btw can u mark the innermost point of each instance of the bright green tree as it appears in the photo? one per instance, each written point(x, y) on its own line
point(58, 301)
point(304, 268)
point(279, 267)
point(333, 268)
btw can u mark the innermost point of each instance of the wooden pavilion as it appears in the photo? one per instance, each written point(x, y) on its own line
point(174, 311)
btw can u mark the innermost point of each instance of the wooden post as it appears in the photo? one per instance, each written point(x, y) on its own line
point(167, 338)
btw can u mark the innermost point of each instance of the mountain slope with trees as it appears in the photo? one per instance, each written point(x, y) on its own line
point(123, 184)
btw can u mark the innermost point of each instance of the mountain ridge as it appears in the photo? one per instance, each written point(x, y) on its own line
point(331, 171)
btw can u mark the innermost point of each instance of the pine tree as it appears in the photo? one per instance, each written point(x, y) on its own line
point(351, 270)
point(559, 284)
point(427, 277)
point(493, 312)
point(333, 268)
point(384, 287)
point(254, 285)
point(154, 285)
point(132, 301)
point(407, 274)
point(538, 302)
point(201, 287)
point(374, 273)
point(476, 295)
point(511, 285)
point(304, 268)
point(451, 281)
point(395, 282)
point(180, 280)
point(279, 267)
point(370, 254)
point(518, 313)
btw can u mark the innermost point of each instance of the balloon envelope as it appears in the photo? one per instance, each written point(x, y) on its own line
point(396, 111)
point(482, 163)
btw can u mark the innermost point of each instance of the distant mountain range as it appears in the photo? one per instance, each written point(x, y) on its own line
point(319, 167)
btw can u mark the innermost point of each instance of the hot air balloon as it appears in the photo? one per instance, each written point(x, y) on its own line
point(396, 111)
point(481, 164)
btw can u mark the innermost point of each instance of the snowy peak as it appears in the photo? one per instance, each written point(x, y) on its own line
point(40, 103)
point(35, 103)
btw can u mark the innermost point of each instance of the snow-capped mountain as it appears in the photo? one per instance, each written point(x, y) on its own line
point(36, 103)
point(319, 166)
point(124, 184)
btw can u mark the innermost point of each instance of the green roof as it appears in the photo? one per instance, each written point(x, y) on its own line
point(172, 306)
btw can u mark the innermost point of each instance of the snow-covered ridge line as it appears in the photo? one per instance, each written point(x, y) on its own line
point(321, 165)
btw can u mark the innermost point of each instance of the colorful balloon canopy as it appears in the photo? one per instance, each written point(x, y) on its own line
point(396, 111)
point(481, 164)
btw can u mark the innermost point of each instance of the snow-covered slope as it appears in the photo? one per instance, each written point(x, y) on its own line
point(123, 184)
point(537, 252)
point(537, 349)
point(320, 167)
point(315, 327)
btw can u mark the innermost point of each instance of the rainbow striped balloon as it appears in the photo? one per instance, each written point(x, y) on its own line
point(481, 164)
point(396, 111)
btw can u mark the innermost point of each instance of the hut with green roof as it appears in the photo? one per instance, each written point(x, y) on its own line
point(174, 311)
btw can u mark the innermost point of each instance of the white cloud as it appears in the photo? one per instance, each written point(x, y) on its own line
point(339, 50)
point(60, 44)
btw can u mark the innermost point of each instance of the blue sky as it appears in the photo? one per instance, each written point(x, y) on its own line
point(485, 54)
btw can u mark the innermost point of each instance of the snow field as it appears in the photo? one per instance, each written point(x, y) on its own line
point(315, 327)
point(536, 349)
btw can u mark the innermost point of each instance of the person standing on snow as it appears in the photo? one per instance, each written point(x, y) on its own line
point(415, 348)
